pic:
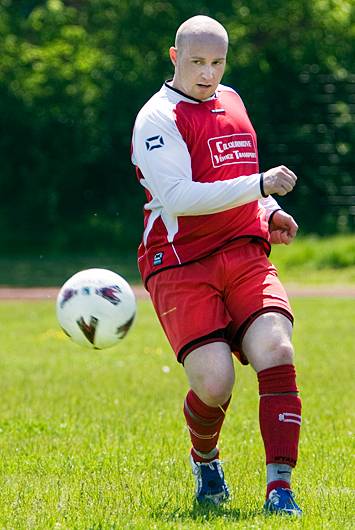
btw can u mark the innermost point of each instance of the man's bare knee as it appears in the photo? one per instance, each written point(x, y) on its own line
point(280, 354)
point(284, 353)
point(213, 391)
point(267, 342)
point(210, 371)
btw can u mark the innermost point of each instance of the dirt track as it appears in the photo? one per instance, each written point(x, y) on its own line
point(50, 293)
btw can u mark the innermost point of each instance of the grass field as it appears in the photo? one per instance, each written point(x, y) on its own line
point(317, 261)
point(96, 440)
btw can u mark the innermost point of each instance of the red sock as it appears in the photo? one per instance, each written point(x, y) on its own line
point(279, 414)
point(276, 484)
point(204, 424)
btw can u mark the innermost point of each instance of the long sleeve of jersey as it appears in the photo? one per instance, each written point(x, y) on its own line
point(270, 205)
point(165, 164)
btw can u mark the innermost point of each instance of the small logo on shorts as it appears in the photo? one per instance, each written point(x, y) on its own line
point(158, 258)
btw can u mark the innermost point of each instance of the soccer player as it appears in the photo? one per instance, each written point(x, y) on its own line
point(209, 221)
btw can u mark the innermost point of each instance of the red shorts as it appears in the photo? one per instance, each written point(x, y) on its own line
point(216, 298)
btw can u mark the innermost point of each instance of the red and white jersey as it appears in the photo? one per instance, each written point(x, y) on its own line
point(198, 163)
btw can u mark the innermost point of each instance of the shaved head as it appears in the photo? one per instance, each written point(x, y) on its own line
point(199, 57)
point(200, 28)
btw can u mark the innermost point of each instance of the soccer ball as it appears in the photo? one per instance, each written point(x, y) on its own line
point(96, 308)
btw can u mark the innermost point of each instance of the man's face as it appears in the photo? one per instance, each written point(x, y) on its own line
point(199, 65)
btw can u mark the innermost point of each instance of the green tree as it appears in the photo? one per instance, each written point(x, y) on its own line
point(74, 73)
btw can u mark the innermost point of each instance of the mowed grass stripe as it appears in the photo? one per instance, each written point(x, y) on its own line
point(96, 440)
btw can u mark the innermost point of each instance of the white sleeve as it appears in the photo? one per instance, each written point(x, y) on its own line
point(270, 205)
point(162, 157)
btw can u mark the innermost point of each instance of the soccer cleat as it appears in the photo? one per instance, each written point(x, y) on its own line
point(281, 501)
point(210, 484)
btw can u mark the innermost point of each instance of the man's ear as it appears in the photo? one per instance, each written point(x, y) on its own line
point(172, 54)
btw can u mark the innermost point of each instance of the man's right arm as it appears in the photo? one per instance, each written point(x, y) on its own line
point(164, 161)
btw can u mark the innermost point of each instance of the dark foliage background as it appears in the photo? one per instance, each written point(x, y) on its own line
point(73, 75)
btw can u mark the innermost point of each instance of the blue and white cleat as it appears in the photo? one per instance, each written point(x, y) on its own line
point(281, 501)
point(211, 487)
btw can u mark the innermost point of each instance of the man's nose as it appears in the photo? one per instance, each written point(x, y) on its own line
point(208, 72)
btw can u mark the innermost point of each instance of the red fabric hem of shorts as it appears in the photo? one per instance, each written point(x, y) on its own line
point(198, 344)
point(238, 337)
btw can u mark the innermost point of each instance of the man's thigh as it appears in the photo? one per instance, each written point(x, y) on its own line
point(189, 304)
point(253, 288)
